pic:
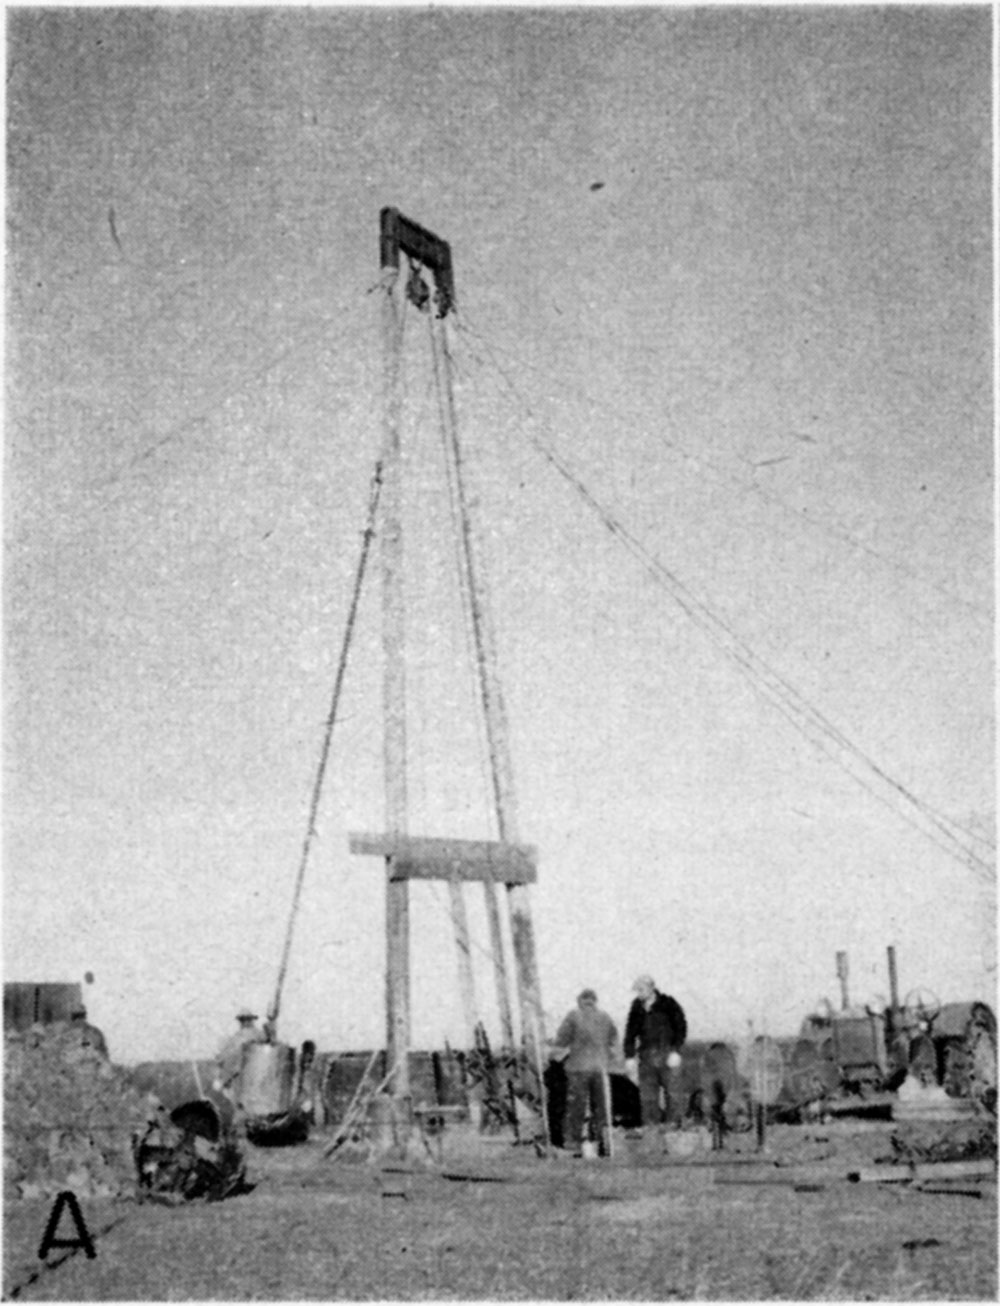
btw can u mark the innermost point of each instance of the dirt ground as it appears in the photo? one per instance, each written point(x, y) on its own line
point(488, 1220)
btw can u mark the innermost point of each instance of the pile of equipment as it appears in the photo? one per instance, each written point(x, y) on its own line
point(70, 1116)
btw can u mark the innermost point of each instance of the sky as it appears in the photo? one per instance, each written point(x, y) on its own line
point(729, 269)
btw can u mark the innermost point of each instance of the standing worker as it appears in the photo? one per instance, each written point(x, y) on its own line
point(230, 1057)
point(655, 1030)
point(590, 1036)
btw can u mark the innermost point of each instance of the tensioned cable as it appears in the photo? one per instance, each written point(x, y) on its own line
point(466, 596)
point(310, 834)
point(214, 403)
point(491, 727)
point(824, 724)
point(701, 462)
point(798, 710)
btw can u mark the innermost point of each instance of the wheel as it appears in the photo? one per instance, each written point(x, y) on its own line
point(922, 1006)
point(981, 1056)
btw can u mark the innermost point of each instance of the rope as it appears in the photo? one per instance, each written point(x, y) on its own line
point(310, 835)
point(466, 597)
point(489, 688)
point(701, 462)
point(796, 709)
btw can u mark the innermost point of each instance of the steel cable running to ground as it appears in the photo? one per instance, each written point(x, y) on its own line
point(494, 710)
point(939, 818)
point(701, 462)
point(465, 602)
point(467, 598)
point(468, 601)
point(216, 401)
point(310, 835)
point(798, 710)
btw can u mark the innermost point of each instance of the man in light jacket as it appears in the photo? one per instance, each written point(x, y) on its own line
point(590, 1036)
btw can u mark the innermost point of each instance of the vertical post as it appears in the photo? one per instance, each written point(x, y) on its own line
point(893, 982)
point(501, 770)
point(485, 664)
point(896, 1036)
point(397, 913)
point(842, 976)
point(465, 980)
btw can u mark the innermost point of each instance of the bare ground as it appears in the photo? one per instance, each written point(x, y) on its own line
point(491, 1221)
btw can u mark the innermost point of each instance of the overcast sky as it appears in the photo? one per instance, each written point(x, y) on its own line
point(733, 268)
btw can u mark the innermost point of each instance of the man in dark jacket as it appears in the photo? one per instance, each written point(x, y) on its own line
point(655, 1030)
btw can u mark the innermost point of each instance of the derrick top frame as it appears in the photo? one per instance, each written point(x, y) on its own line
point(397, 232)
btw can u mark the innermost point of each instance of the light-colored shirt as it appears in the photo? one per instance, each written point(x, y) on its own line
point(591, 1037)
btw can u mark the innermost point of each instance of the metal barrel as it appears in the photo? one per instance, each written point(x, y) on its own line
point(267, 1080)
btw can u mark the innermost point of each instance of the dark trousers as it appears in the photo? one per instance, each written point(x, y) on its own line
point(654, 1074)
point(585, 1088)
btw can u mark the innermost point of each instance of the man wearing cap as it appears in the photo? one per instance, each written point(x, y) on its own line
point(655, 1030)
point(590, 1037)
point(229, 1059)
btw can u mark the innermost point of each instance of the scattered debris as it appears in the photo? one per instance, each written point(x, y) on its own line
point(476, 1178)
point(932, 1170)
point(946, 1139)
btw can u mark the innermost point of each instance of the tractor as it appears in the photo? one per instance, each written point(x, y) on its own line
point(856, 1055)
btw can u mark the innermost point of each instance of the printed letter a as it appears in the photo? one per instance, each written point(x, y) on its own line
point(83, 1238)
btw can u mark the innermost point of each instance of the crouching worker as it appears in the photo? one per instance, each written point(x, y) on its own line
point(589, 1036)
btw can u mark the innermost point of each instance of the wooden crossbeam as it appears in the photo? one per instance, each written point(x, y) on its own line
point(447, 859)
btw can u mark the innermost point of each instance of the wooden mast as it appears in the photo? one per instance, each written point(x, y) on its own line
point(397, 915)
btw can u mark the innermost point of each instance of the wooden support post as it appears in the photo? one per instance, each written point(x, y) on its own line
point(501, 770)
point(485, 667)
point(465, 980)
point(397, 917)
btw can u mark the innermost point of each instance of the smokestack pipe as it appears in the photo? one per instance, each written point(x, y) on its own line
point(893, 982)
point(842, 976)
